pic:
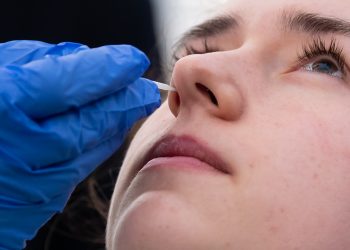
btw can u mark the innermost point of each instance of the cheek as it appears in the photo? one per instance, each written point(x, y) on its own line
point(300, 186)
point(318, 139)
point(314, 148)
point(307, 127)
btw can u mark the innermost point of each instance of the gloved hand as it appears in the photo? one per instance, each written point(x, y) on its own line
point(64, 109)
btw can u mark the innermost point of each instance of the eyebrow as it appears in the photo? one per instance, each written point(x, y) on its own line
point(209, 28)
point(292, 20)
point(212, 27)
point(314, 23)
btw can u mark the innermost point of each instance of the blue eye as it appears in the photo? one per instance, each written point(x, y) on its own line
point(324, 59)
point(324, 66)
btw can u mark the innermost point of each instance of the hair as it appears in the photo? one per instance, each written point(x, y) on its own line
point(84, 219)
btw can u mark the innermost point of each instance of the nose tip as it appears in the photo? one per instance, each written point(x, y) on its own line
point(174, 98)
point(202, 85)
point(222, 103)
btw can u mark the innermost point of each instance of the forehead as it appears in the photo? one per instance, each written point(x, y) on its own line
point(253, 9)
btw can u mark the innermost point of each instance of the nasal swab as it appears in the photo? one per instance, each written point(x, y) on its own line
point(164, 86)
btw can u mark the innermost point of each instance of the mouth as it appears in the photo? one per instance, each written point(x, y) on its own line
point(177, 148)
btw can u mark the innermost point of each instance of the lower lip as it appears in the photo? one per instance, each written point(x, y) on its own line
point(179, 163)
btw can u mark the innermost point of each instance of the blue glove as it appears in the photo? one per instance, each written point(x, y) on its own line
point(64, 109)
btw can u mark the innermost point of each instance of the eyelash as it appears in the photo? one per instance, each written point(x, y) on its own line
point(317, 48)
point(190, 50)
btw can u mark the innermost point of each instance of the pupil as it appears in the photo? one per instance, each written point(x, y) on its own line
point(325, 67)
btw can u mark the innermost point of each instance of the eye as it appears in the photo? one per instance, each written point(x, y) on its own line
point(319, 58)
point(324, 66)
point(188, 48)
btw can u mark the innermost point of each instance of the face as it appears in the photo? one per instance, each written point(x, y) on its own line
point(253, 151)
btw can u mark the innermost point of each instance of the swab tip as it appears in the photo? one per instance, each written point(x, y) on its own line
point(164, 86)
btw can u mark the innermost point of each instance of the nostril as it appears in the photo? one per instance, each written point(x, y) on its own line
point(174, 102)
point(208, 93)
point(177, 99)
point(213, 98)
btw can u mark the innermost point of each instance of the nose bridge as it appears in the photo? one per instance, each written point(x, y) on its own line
point(207, 81)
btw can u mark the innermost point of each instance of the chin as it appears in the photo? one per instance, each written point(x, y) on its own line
point(159, 220)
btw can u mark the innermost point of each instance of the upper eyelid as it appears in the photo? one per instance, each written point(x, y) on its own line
point(189, 48)
point(206, 48)
point(335, 50)
point(290, 20)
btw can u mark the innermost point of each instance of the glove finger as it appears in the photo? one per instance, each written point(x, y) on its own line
point(68, 135)
point(53, 85)
point(25, 51)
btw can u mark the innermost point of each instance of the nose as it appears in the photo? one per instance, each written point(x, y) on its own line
point(205, 82)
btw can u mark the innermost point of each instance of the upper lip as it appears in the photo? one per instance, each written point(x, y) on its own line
point(172, 145)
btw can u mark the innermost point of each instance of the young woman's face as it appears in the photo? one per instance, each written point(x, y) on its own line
point(253, 152)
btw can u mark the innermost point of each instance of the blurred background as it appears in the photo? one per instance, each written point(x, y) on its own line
point(152, 26)
point(173, 18)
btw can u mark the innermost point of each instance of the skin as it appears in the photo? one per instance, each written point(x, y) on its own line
point(283, 130)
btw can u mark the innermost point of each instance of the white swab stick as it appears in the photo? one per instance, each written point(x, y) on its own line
point(164, 86)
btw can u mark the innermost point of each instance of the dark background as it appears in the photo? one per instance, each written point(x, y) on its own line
point(93, 23)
